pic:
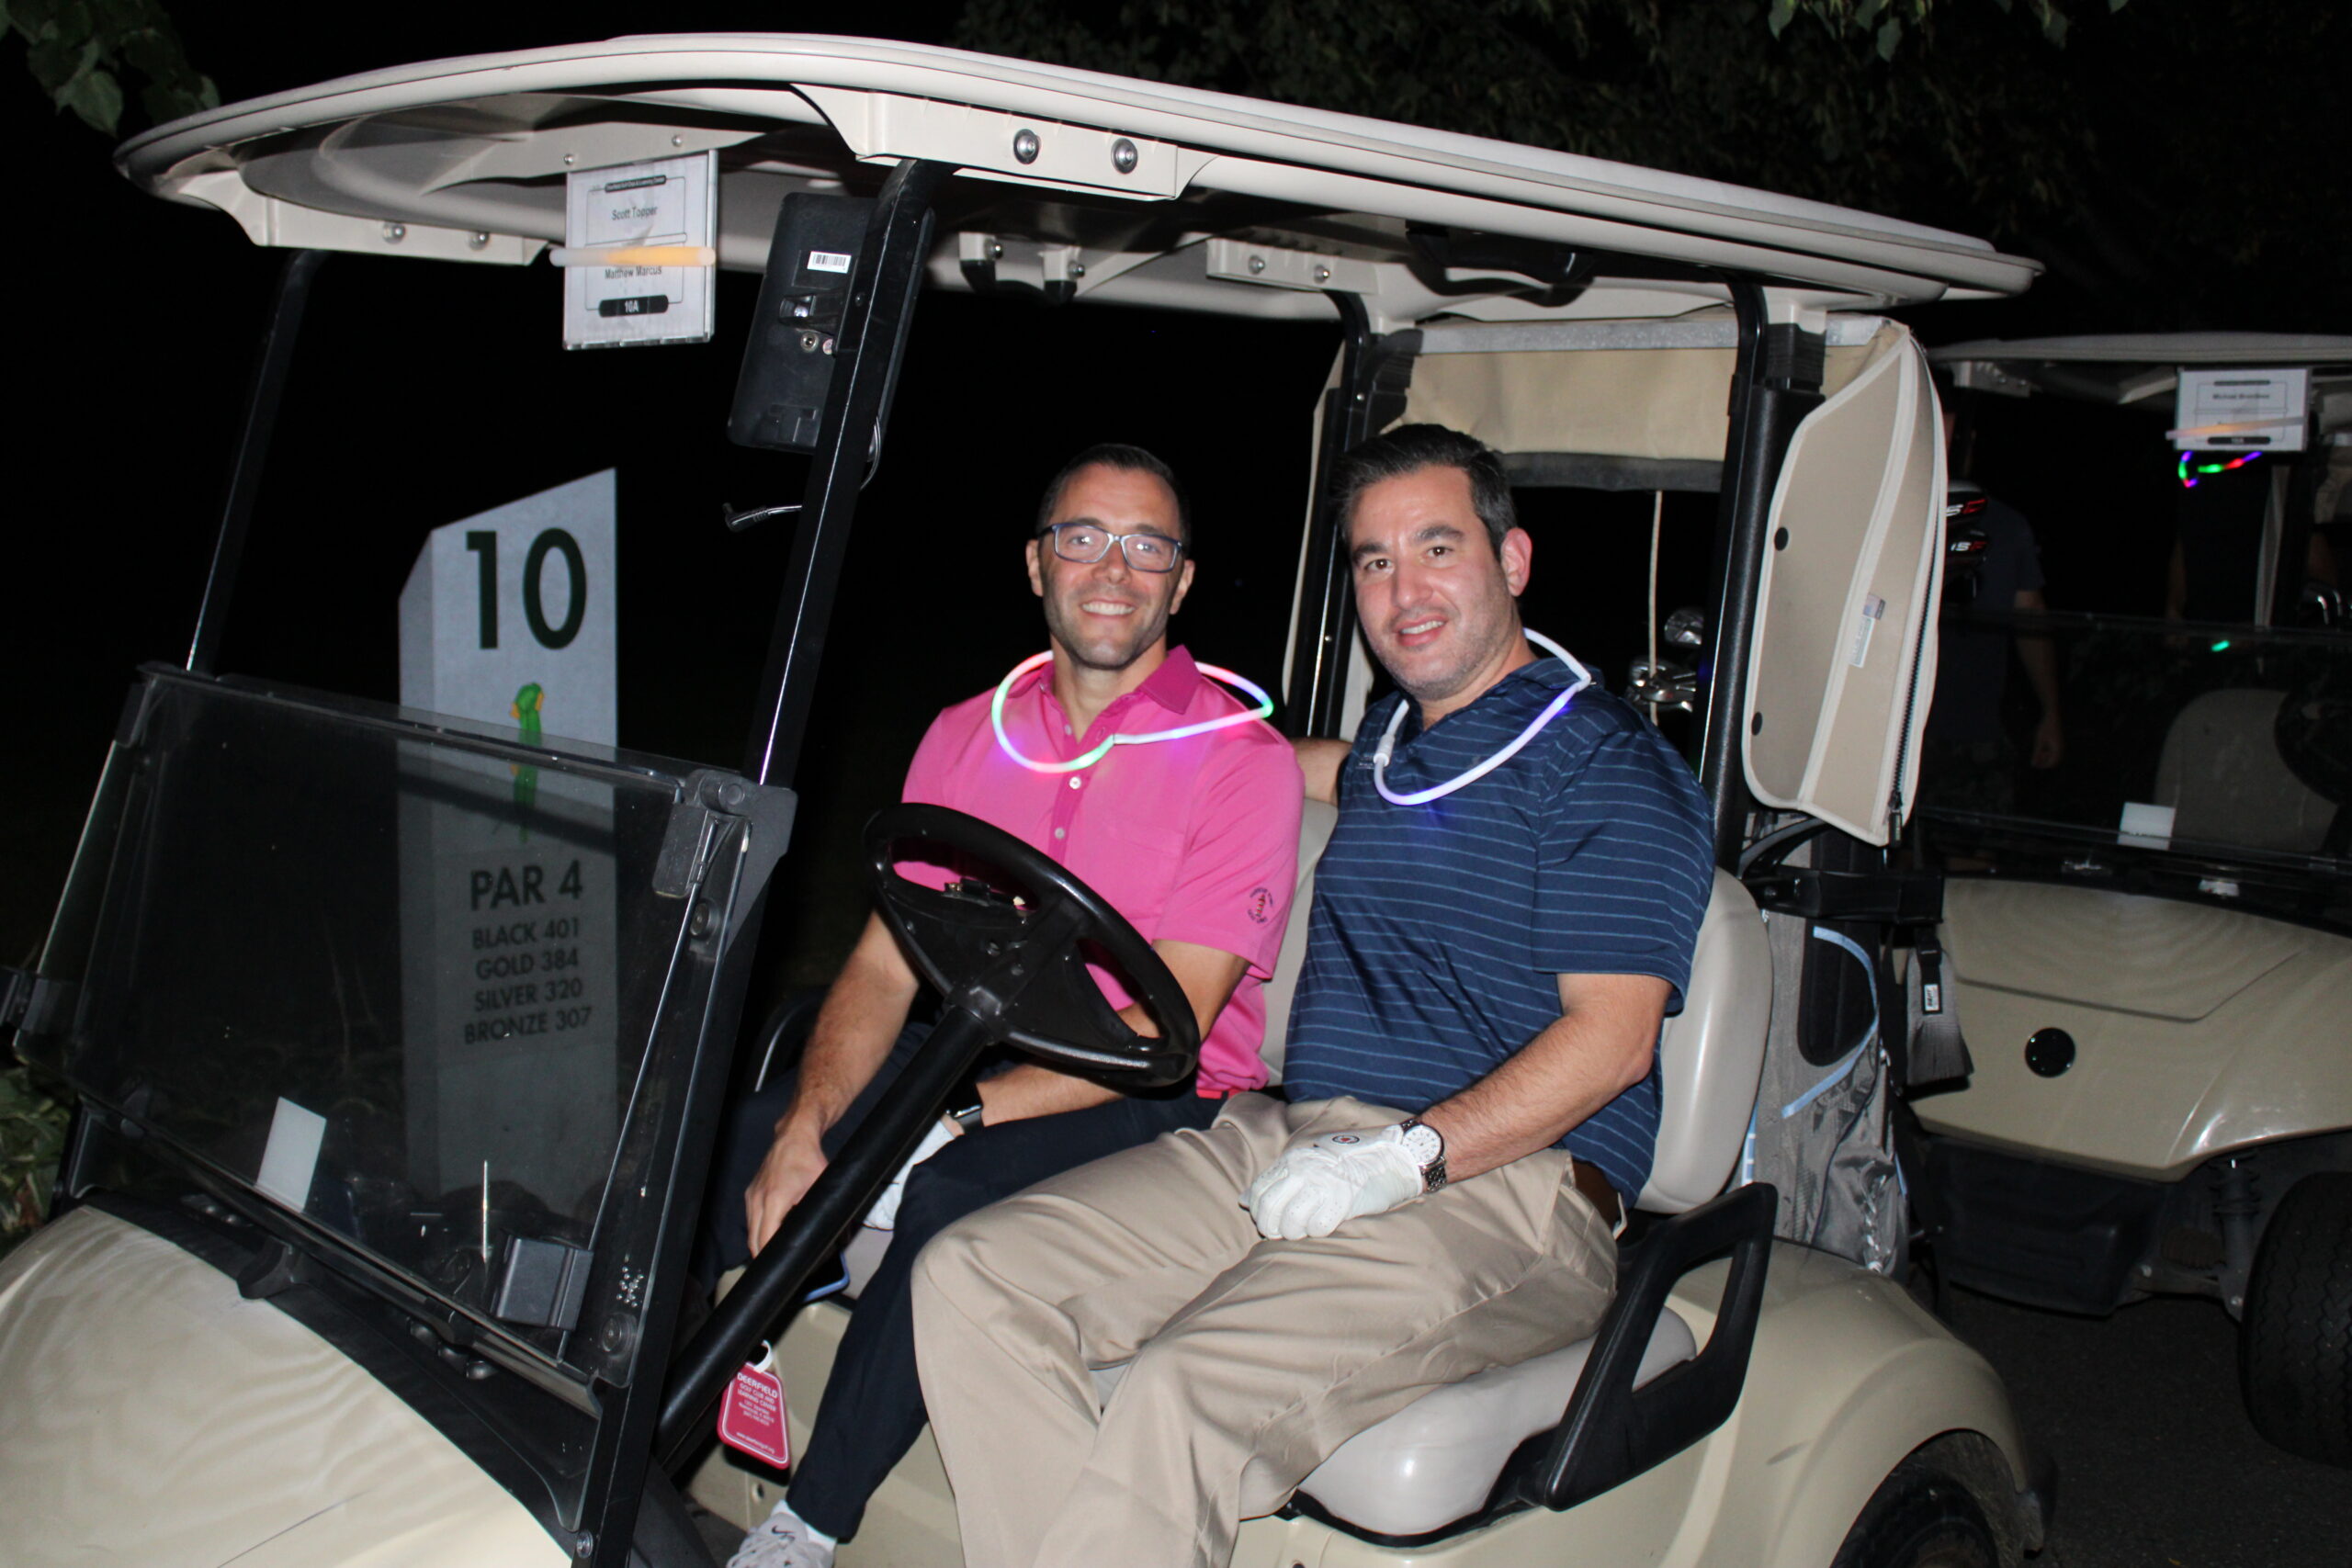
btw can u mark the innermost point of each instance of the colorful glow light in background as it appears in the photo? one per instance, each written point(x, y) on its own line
point(2190, 471)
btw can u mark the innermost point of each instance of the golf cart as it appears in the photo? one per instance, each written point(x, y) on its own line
point(2153, 964)
point(415, 1276)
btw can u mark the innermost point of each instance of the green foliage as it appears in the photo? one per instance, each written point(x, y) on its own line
point(81, 50)
point(32, 1135)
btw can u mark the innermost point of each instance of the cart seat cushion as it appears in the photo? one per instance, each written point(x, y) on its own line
point(1436, 1460)
point(1710, 1055)
point(1314, 825)
point(2222, 775)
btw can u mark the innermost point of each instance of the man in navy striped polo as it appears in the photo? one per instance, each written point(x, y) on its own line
point(1505, 915)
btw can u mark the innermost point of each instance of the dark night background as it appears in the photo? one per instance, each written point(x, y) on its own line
point(425, 393)
point(422, 394)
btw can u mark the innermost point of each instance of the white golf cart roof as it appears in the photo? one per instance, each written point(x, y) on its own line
point(2135, 367)
point(2155, 348)
point(1135, 192)
point(1577, 315)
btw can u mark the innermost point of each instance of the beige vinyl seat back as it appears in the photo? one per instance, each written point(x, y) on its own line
point(1314, 825)
point(2221, 772)
point(1710, 1055)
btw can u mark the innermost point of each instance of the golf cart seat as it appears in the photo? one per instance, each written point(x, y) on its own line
point(2221, 774)
point(1438, 1460)
point(1314, 825)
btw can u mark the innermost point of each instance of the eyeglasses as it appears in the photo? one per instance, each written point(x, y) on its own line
point(1086, 543)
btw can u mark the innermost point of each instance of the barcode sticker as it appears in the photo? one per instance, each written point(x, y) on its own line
point(827, 261)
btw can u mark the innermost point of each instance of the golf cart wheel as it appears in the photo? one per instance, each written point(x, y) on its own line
point(1926, 1515)
point(2295, 1347)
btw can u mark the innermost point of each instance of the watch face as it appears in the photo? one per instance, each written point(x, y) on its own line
point(1422, 1143)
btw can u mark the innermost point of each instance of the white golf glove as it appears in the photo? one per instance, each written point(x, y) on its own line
point(883, 1215)
point(1315, 1188)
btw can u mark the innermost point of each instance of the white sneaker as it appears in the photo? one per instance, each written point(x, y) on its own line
point(784, 1540)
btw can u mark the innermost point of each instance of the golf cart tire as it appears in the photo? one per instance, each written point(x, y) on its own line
point(1931, 1513)
point(2295, 1347)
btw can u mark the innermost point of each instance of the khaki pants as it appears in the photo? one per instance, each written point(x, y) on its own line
point(1252, 1359)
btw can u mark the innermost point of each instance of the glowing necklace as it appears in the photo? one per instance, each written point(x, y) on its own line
point(996, 716)
point(1388, 740)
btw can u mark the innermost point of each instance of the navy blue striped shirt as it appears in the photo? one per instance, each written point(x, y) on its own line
point(1439, 930)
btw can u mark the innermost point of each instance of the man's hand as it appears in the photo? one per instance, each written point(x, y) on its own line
point(1315, 1188)
point(2049, 740)
point(793, 1163)
point(862, 1013)
point(2039, 656)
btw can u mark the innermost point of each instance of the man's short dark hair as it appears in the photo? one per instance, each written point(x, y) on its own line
point(1127, 460)
point(1409, 449)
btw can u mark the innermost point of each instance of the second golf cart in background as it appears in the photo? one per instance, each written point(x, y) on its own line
point(2151, 956)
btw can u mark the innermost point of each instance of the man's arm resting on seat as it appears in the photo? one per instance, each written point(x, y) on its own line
point(1319, 759)
point(1207, 976)
point(1598, 1048)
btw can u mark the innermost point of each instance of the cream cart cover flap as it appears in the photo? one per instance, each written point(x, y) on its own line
point(1843, 665)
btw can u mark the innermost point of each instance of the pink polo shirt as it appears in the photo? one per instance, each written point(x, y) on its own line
point(1194, 840)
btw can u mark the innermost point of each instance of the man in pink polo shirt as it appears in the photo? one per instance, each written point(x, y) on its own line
point(1193, 839)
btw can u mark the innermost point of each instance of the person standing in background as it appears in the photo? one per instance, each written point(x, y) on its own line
point(1969, 761)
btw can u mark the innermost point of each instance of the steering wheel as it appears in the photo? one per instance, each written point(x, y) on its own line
point(1020, 967)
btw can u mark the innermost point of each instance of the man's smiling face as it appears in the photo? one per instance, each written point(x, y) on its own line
point(1107, 615)
point(1436, 601)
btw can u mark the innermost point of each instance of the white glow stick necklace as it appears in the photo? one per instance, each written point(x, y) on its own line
point(995, 718)
point(1389, 738)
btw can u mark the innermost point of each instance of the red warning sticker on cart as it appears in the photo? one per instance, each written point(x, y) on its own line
point(751, 1418)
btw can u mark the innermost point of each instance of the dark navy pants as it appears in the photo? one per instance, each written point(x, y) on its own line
point(872, 1411)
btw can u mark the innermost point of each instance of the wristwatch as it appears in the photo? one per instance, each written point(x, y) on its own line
point(968, 1117)
point(1425, 1144)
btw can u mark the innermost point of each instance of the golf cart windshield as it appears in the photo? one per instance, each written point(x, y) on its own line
point(422, 999)
point(2210, 760)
